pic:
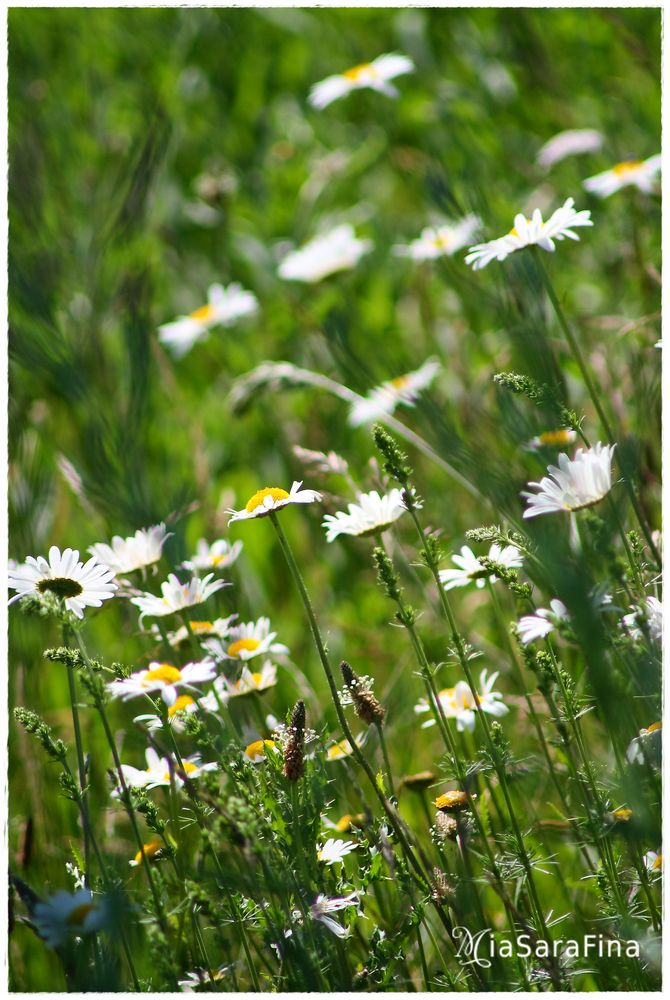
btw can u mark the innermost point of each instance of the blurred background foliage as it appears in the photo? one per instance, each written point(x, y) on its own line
point(153, 152)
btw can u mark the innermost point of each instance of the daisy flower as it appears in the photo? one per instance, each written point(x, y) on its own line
point(247, 683)
point(245, 641)
point(337, 751)
point(149, 852)
point(163, 678)
point(652, 614)
point(322, 907)
point(531, 232)
point(183, 703)
point(646, 747)
point(181, 637)
point(440, 241)
point(333, 852)
point(572, 142)
point(219, 555)
point(158, 770)
point(552, 439)
point(642, 174)
point(371, 514)
point(68, 914)
point(272, 498)
point(544, 621)
point(383, 399)
point(337, 250)
point(200, 977)
point(177, 596)
point(653, 861)
point(470, 569)
point(375, 75)
point(124, 555)
point(79, 585)
point(257, 751)
point(573, 484)
point(224, 307)
point(461, 704)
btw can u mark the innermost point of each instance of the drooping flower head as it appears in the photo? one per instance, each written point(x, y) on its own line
point(471, 570)
point(384, 398)
point(79, 585)
point(224, 307)
point(375, 75)
point(124, 555)
point(337, 250)
point(531, 232)
point(544, 621)
point(272, 498)
point(177, 595)
point(572, 142)
point(440, 241)
point(642, 174)
point(370, 515)
point(574, 484)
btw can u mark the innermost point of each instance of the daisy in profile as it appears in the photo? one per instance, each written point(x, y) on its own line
point(219, 555)
point(259, 749)
point(552, 439)
point(333, 852)
point(163, 678)
point(642, 174)
point(650, 616)
point(337, 250)
point(337, 751)
point(224, 307)
point(124, 555)
point(440, 241)
point(69, 914)
point(153, 851)
point(158, 771)
point(272, 498)
point(195, 980)
point(403, 390)
point(646, 747)
point(182, 637)
point(246, 641)
point(375, 75)
point(573, 142)
point(249, 682)
point(184, 704)
point(461, 704)
point(470, 570)
point(79, 585)
point(531, 232)
point(177, 596)
point(322, 907)
point(544, 621)
point(574, 484)
point(370, 515)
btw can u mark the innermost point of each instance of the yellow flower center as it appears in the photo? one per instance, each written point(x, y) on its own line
point(189, 768)
point(256, 678)
point(199, 627)
point(514, 231)
point(249, 645)
point(79, 914)
point(217, 560)
point(203, 314)
point(182, 702)
point(623, 814)
point(627, 167)
point(654, 727)
point(257, 748)
point(356, 72)
point(658, 863)
point(560, 437)
point(150, 851)
point(164, 672)
point(399, 382)
point(452, 801)
point(441, 242)
point(338, 750)
point(269, 491)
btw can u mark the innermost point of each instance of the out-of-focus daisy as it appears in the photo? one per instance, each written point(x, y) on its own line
point(461, 704)
point(257, 751)
point(182, 637)
point(552, 439)
point(248, 683)
point(79, 585)
point(337, 250)
point(646, 747)
point(337, 751)
point(651, 615)
point(333, 852)
point(346, 823)
point(200, 977)
point(158, 770)
point(370, 514)
point(383, 399)
point(177, 596)
point(245, 641)
point(452, 801)
point(440, 241)
point(69, 914)
point(574, 484)
point(124, 555)
point(149, 852)
point(224, 307)
point(642, 174)
point(572, 142)
point(470, 569)
point(219, 555)
point(375, 75)
point(544, 621)
point(164, 678)
point(184, 703)
point(272, 498)
point(653, 861)
point(531, 232)
point(322, 907)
